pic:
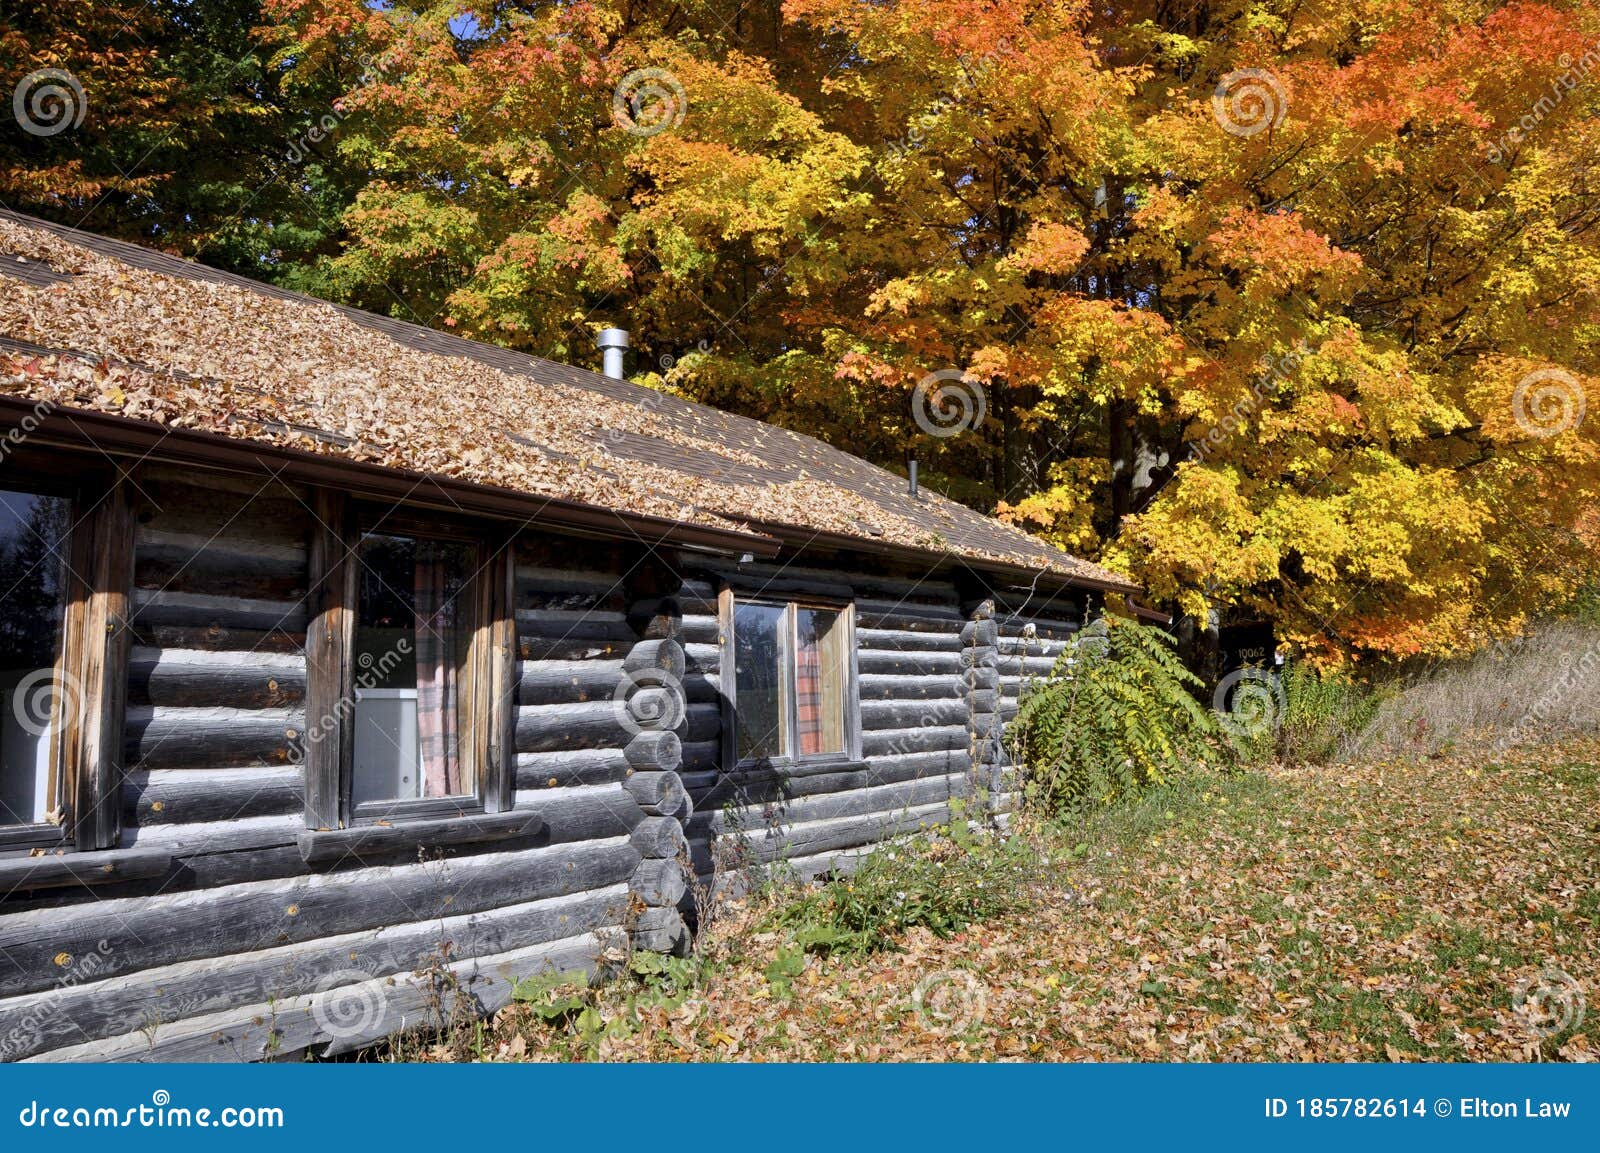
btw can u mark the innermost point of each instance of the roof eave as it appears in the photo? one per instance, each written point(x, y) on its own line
point(146, 440)
point(801, 538)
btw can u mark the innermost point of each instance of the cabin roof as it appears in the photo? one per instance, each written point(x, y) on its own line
point(97, 324)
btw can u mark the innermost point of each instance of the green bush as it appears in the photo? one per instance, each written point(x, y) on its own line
point(1116, 716)
point(1324, 715)
point(941, 882)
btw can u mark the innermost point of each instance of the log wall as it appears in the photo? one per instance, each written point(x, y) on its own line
point(241, 950)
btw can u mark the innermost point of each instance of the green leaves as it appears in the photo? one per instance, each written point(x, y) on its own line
point(1115, 717)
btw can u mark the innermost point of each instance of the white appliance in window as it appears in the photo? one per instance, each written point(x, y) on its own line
point(24, 767)
point(386, 766)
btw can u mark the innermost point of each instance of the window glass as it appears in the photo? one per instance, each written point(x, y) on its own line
point(33, 539)
point(761, 716)
point(819, 680)
point(412, 637)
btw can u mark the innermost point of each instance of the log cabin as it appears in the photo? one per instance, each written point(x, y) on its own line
point(344, 658)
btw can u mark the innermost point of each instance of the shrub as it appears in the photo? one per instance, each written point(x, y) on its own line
point(942, 882)
point(1116, 716)
point(1325, 712)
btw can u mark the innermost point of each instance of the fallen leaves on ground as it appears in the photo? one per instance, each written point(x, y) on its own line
point(1391, 911)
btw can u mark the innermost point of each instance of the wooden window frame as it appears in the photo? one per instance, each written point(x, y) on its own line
point(86, 755)
point(728, 599)
point(485, 697)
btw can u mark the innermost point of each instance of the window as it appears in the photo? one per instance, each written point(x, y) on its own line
point(33, 695)
point(410, 676)
point(792, 676)
point(412, 642)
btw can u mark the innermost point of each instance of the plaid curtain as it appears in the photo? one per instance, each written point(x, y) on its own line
point(808, 695)
point(436, 678)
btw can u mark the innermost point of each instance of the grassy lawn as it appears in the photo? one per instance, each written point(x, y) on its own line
point(1386, 911)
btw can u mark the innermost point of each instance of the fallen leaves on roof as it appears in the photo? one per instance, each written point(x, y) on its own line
point(201, 352)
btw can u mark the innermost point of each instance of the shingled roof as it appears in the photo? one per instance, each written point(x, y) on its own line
point(100, 325)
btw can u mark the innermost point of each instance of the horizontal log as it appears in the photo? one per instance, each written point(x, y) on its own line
point(196, 678)
point(909, 664)
point(184, 796)
point(220, 568)
point(381, 1006)
point(911, 714)
point(146, 932)
point(591, 813)
point(702, 755)
point(810, 838)
point(160, 607)
point(226, 836)
point(216, 638)
point(531, 648)
point(903, 640)
point(700, 630)
point(702, 658)
point(182, 738)
point(893, 742)
point(892, 687)
point(829, 806)
point(575, 767)
point(567, 682)
point(553, 728)
point(57, 870)
point(106, 1002)
point(562, 625)
point(369, 842)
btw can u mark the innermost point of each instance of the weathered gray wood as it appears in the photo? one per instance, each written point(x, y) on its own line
point(216, 638)
point(702, 755)
point(566, 682)
point(901, 640)
point(583, 814)
point(659, 838)
point(661, 930)
point(889, 687)
point(981, 633)
point(920, 664)
point(158, 607)
point(833, 805)
point(576, 767)
point(664, 656)
point(183, 796)
point(597, 724)
point(700, 630)
point(187, 840)
point(399, 1003)
point(162, 930)
point(530, 648)
point(176, 738)
point(658, 794)
point(219, 568)
point(657, 750)
point(892, 742)
point(111, 1003)
point(366, 842)
point(584, 625)
point(54, 870)
point(658, 882)
point(911, 714)
point(702, 658)
point(196, 678)
point(802, 840)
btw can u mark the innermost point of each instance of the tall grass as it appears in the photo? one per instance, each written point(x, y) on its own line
point(1541, 687)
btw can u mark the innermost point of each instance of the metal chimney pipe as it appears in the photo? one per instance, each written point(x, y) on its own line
point(911, 474)
point(612, 342)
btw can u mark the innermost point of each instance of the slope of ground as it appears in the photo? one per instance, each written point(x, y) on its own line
point(1439, 909)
